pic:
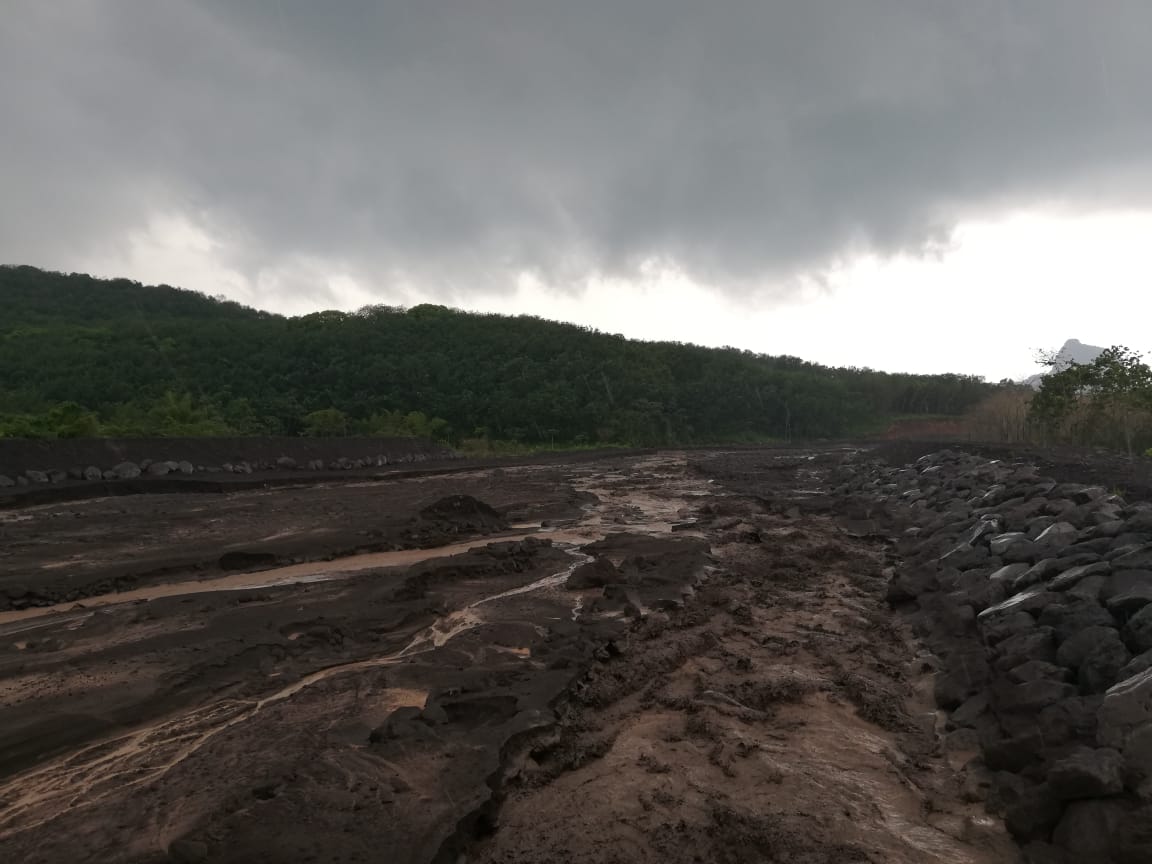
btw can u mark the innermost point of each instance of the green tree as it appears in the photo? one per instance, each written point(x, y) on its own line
point(326, 423)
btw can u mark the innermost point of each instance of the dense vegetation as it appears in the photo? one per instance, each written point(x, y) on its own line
point(81, 356)
point(1106, 402)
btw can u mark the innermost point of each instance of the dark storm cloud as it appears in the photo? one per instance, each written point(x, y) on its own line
point(451, 143)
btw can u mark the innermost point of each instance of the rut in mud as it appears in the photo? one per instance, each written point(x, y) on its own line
point(735, 692)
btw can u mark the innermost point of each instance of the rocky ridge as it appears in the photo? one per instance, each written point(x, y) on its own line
point(1035, 600)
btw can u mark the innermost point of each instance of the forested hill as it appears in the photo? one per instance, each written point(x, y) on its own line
point(82, 356)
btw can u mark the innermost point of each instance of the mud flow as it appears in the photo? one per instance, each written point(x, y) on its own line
point(671, 657)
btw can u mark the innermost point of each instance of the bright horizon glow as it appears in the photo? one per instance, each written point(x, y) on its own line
point(1003, 289)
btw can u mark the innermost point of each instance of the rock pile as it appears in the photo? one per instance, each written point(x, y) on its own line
point(1035, 599)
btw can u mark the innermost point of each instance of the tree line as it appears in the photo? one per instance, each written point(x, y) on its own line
point(82, 356)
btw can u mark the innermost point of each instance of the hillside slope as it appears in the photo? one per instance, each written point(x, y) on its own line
point(82, 356)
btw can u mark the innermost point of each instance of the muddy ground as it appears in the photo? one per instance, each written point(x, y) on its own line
point(666, 657)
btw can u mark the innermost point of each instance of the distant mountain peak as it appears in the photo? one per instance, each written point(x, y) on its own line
point(1071, 352)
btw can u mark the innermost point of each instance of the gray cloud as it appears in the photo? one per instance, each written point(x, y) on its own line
point(452, 143)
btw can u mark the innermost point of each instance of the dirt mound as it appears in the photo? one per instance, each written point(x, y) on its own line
point(454, 516)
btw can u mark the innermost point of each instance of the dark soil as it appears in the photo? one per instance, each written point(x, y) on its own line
point(726, 684)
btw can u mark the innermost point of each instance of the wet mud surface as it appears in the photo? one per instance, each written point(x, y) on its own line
point(668, 657)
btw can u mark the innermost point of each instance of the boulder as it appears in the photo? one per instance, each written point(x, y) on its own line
point(1068, 619)
point(93, 473)
point(908, 583)
point(593, 574)
point(1057, 535)
point(1086, 830)
point(36, 476)
point(1092, 549)
point(965, 674)
point(158, 469)
point(1111, 528)
point(126, 471)
point(1133, 597)
point(1127, 707)
point(1132, 840)
point(1036, 644)
point(964, 556)
point(1087, 590)
point(1070, 577)
point(1087, 773)
point(1076, 648)
point(1022, 551)
point(1069, 720)
point(1036, 670)
point(6, 481)
point(996, 630)
point(1059, 507)
point(184, 467)
point(1009, 573)
point(1030, 697)
point(1012, 755)
point(1034, 814)
point(1140, 559)
point(1031, 600)
point(286, 463)
point(1138, 630)
point(983, 528)
point(1138, 761)
point(970, 711)
point(1038, 572)
point(1101, 668)
point(1136, 665)
point(999, 544)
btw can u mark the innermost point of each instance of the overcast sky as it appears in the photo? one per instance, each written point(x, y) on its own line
point(926, 185)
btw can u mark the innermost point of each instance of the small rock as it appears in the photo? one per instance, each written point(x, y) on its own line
point(93, 473)
point(6, 481)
